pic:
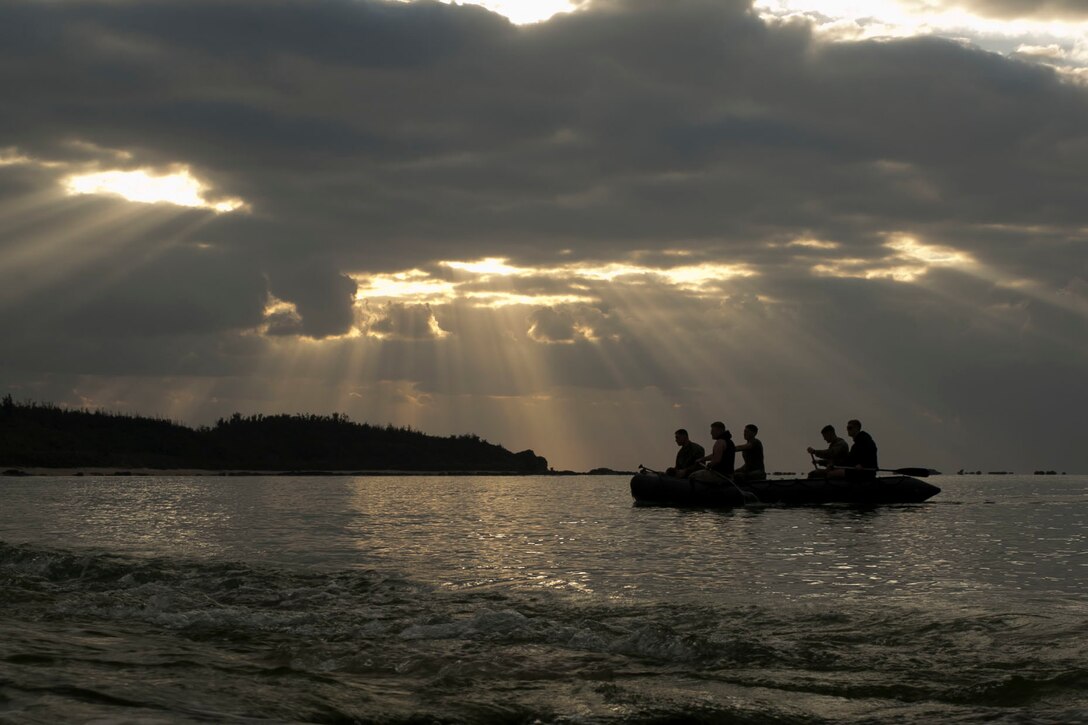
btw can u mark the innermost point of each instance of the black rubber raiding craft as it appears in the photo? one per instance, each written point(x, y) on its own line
point(661, 490)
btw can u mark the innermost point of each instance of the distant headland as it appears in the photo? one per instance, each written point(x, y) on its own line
point(45, 436)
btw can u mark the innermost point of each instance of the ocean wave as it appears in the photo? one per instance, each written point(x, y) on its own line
point(378, 645)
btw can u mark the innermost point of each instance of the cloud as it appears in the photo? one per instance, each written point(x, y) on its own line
point(323, 298)
point(638, 204)
point(407, 322)
point(1047, 9)
point(283, 319)
point(550, 325)
point(483, 131)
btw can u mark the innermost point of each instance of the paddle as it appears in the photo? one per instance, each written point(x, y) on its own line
point(747, 496)
point(916, 472)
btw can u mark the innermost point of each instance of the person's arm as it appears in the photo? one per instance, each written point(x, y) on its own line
point(716, 454)
point(822, 457)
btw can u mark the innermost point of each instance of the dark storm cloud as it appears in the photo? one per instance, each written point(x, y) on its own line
point(569, 322)
point(159, 297)
point(376, 137)
point(93, 264)
point(550, 325)
point(323, 298)
point(362, 125)
point(406, 322)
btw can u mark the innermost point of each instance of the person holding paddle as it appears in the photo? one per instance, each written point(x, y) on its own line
point(862, 463)
point(687, 458)
point(721, 459)
point(835, 455)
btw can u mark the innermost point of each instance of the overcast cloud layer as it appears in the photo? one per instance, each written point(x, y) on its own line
point(1057, 9)
point(703, 216)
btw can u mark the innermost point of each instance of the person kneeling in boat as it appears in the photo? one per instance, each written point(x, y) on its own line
point(862, 463)
point(719, 464)
point(751, 451)
point(836, 455)
point(687, 458)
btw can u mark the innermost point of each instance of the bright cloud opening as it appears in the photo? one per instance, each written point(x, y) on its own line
point(487, 266)
point(506, 299)
point(521, 12)
point(893, 18)
point(414, 284)
point(929, 254)
point(1059, 43)
point(11, 156)
point(910, 260)
point(687, 276)
point(179, 188)
point(814, 244)
point(421, 287)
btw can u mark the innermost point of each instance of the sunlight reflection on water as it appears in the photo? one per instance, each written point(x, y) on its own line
point(578, 534)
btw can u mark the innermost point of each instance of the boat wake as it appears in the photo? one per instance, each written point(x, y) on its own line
point(88, 635)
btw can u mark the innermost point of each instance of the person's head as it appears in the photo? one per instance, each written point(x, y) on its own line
point(828, 432)
point(853, 427)
point(681, 437)
point(750, 431)
point(718, 430)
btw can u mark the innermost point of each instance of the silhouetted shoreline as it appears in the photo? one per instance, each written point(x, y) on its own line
point(155, 472)
point(45, 437)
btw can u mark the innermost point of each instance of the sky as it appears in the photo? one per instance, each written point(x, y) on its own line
point(571, 228)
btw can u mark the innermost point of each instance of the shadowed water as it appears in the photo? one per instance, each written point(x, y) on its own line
point(536, 598)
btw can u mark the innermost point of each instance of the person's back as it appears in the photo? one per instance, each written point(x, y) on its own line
point(838, 452)
point(752, 456)
point(728, 458)
point(689, 455)
point(687, 458)
point(863, 461)
point(751, 452)
point(863, 452)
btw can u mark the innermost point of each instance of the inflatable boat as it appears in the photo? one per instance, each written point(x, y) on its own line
point(657, 489)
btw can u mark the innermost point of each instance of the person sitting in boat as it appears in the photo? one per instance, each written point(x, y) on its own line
point(836, 455)
point(719, 464)
point(862, 463)
point(687, 458)
point(751, 451)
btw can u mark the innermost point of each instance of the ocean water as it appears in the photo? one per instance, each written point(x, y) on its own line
point(535, 599)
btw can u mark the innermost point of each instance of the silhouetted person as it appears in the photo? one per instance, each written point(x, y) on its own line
point(836, 455)
point(687, 458)
point(719, 464)
point(862, 463)
point(751, 451)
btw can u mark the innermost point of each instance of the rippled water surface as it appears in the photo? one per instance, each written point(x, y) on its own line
point(210, 599)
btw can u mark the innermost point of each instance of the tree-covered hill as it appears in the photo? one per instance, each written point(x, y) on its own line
point(43, 435)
